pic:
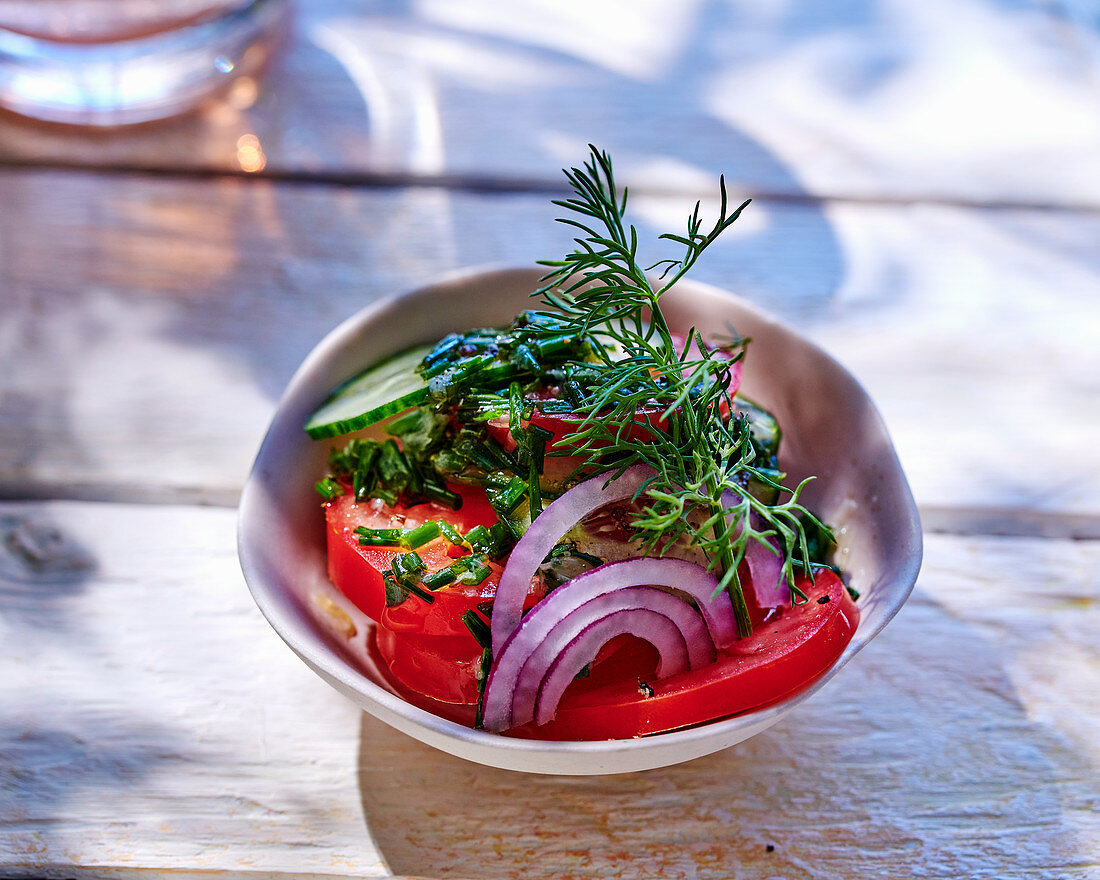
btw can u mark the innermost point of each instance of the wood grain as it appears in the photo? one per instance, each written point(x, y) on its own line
point(154, 724)
point(940, 100)
point(149, 325)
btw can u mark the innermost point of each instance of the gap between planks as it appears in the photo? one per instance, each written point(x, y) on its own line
point(488, 184)
point(963, 520)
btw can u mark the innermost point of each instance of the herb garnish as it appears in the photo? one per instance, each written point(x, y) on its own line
point(704, 457)
point(637, 393)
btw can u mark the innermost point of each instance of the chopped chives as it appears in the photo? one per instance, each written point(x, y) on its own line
point(329, 488)
point(554, 344)
point(388, 496)
point(573, 393)
point(405, 570)
point(440, 578)
point(478, 628)
point(395, 593)
point(393, 469)
point(540, 437)
point(497, 480)
point(594, 561)
point(363, 484)
point(507, 498)
point(367, 458)
point(406, 422)
point(441, 354)
point(421, 535)
point(436, 491)
point(526, 359)
point(502, 540)
point(458, 372)
point(554, 406)
point(419, 592)
point(482, 679)
point(514, 526)
point(479, 539)
point(407, 565)
point(474, 569)
point(450, 532)
point(536, 439)
point(378, 537)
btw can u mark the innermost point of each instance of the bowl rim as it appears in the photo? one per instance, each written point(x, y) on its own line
point(394, 710)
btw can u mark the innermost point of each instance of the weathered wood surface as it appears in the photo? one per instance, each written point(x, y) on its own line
point(149, 325)
point(929, 215)
point(975, 100)
point(152, 723)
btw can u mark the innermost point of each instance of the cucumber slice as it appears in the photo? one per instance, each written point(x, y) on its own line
point(764, 427)
point(378, 392)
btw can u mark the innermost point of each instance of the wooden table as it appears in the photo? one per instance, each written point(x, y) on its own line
point(927, 208)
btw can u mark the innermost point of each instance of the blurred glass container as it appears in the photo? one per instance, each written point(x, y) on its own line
point(120, 62)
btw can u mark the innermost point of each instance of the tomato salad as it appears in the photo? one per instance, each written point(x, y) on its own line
point(575, 527)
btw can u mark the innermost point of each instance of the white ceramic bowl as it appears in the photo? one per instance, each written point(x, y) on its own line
point(831, 429)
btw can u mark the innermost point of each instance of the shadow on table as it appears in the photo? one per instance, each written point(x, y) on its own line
point(60, 757)
point(194, 303)
point(920, 754)
point(338, 252)
point(85, 765)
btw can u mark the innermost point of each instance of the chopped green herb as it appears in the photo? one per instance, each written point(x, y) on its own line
point(329, 488)
point(506, 499)
point(421, 535)
point(601, 340)
point(704, 461)
point(478, 628)
point(450, 533)
point(474, 569)
point(440, 578)
point(482, 679)
point(378, 537)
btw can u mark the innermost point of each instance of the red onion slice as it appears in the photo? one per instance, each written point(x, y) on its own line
point(765, 566)
point(660, 609)
point(655, 628)
point(592, 589)
point(540, 538)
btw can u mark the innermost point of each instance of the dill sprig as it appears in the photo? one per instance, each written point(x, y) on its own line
point(645, 398)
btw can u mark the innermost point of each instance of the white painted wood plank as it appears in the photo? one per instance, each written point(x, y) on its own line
point(148, 326)
point(152, 724)
point(137, 729)
point(943, 99)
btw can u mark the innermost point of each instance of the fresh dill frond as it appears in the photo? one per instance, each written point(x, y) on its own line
point(650, 397)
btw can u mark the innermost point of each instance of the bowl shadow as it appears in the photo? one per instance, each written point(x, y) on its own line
point(883, 775)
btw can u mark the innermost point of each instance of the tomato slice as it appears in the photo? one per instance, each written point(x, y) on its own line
point(784, 656)
point(440, 668)
point(357, 571)
point(440, 674)
point(443, 617)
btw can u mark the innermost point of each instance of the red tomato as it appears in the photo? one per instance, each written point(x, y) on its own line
point(783, 656)
point(461, 713)
point(443, 617)
point(357, 571)
point(439, 667)
point(424, 647)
